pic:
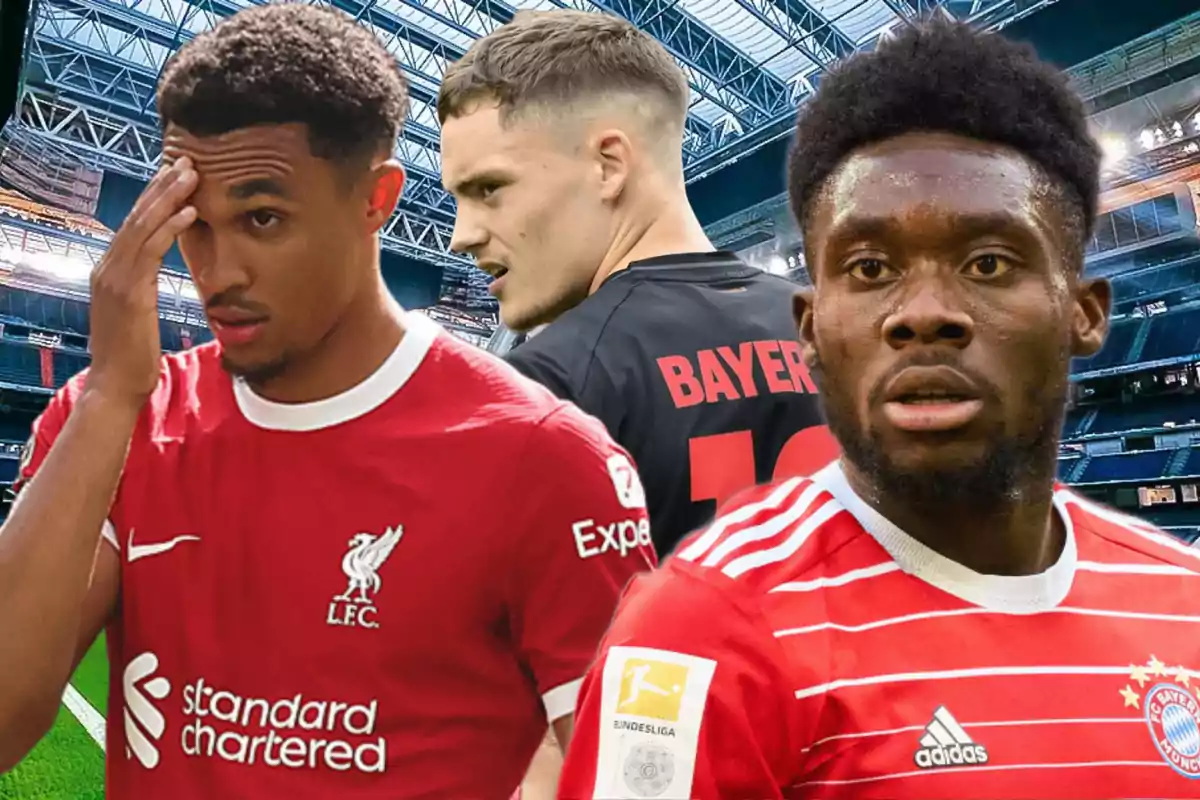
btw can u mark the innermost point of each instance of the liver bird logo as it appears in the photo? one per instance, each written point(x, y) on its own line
point(362, 563)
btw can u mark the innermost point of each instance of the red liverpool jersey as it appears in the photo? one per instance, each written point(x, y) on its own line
point(805, 647)
point(385, 594)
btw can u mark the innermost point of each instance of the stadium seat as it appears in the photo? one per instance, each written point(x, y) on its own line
point(44, 311)
point(67, 365)
point(1172, 335)
point(1115, 350)
point(1148, 414)
point(1066, 466)
point(1126, 466)
point(13, 429)
point(1074, 420)
point(20, 365)
point(1191, 467)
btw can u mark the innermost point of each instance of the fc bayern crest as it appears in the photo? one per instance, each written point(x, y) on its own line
point(1173, 714)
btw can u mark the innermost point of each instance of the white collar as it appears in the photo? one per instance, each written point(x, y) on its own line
point(1012, 594)
point(419, 335)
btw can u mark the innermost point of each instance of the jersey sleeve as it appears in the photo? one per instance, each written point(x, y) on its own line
point(580, 516)
point(592, 389)
point(688, 700)
point(46, 429)
point(544, 368)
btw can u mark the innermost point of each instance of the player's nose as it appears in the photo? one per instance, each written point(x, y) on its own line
point(931, 312)
point(214, 261)
point(468, 235)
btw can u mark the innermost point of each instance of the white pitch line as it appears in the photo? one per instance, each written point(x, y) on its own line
point(88, 716)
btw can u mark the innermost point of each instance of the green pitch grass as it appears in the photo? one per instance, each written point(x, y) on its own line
point(67, 764)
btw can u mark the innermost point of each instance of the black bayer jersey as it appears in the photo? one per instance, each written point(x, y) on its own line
point(692, 363)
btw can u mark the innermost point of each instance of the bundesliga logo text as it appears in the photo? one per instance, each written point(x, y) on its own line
point(294, 732)
point(642, 727)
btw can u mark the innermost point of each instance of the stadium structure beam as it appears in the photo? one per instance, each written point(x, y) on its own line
point(95, 79)
point(123, 30)
point(904, 9)
point(990, 14)
point(1147, 55)
point(97, 47)
point(986, 14)
point(29, 237)
point(109, 142)
point(480, 17)
point(474, 18)
point(803, 28)
point(126, 27)
point(34, 239)
point(996, 14)
point(719, 72)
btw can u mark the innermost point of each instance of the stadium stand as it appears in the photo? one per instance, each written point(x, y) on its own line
point(1132, 437)
point(1115, 349)
point(1152, 414)
point(43, 343)
point(1172, 334)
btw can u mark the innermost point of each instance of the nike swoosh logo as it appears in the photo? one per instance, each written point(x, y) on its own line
point(136, 551)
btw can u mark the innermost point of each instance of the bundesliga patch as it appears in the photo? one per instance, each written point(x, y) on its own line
point(652, 704)
point(1166, 699)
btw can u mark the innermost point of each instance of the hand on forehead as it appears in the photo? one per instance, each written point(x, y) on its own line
point(281, 147)
point(262, 159)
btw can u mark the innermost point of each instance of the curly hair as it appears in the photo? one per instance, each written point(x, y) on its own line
point(947, 77)
point(289, 63)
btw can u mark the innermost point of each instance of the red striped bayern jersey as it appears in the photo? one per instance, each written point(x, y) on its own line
point(804, 646)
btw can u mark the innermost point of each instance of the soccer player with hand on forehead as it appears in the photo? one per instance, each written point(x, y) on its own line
point(933, 615)
point(302, 597)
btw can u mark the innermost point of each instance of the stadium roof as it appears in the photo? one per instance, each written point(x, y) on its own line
point(88, 99)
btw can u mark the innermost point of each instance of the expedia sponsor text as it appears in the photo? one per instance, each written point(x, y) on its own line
point(622, 536)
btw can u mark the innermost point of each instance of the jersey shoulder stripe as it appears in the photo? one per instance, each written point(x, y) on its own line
point(765, 526)
point(744, 510)
point(1128, 531)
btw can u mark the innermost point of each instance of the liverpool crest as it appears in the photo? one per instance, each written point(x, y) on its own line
point(355, 607)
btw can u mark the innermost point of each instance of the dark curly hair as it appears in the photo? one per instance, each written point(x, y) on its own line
point(289, 63)
point(947, 77)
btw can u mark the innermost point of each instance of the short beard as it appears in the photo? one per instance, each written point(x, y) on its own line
point(989, 484)
point(257, 374)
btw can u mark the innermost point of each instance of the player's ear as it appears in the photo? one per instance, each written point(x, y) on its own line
point(802, 308)
point(1089, 324)
point(386, 182)
point(614, 156)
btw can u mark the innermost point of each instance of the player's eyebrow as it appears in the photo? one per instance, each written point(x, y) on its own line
point(257, 186)
point(472, 182)
point(964, 225)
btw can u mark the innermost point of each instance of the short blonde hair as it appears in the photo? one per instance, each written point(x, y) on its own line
point(554, 59)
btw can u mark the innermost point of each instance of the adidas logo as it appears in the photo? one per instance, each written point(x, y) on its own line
point(946, 744)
